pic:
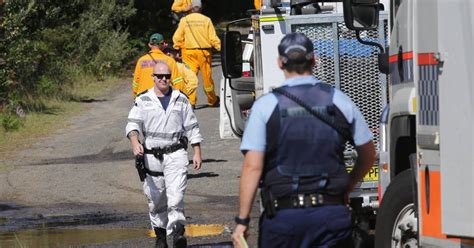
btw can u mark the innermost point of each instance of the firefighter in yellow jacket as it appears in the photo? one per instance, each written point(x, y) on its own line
point(190, 80)
point(179, 9)
point(196, 37)
point(142, 77)
point(181, 6)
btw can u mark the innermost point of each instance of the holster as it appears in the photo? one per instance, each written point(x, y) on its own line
point(140, 165)
point(268, 202)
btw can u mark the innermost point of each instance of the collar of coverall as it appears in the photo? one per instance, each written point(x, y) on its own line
point(174, 93)
point(294, 81)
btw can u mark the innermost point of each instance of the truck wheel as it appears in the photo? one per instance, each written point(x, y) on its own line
point(397, 223)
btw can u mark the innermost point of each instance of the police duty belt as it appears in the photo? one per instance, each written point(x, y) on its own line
point(307, 201)
point(158, 152)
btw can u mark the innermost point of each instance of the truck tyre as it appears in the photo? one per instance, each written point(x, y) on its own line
point(397, 223)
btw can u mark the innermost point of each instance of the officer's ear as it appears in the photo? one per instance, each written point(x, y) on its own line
point(313, 61)
point(280, 63)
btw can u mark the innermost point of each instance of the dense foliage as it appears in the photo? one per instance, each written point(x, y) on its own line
point(46, 45)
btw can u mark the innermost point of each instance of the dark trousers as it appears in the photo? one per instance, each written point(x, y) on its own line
point(325, 226)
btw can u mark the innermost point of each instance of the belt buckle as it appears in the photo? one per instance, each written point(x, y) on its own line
point(158, 153)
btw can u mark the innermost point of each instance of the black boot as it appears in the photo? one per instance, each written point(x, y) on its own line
point(179, 241)
point(160, 238)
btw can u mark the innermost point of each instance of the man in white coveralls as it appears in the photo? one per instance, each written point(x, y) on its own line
point(165, 118)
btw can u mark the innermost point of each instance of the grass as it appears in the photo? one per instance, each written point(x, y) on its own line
point(54, 114)
point(88, 87)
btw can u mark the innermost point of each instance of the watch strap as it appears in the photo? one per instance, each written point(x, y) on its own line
point(241, 221)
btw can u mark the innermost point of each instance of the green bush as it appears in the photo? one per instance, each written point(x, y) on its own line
point(48, 44)
point(9, 121)
point(102, 41)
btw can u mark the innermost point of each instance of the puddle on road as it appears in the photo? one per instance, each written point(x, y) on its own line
point(194, 230)
point(203, 230)
point(67, 237)
point(73, 237)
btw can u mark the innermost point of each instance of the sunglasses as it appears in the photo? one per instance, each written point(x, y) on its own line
point(161, 76)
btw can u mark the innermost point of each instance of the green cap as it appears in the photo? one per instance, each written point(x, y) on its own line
point(156, 39)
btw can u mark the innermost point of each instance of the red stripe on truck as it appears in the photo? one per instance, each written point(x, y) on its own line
point(427, 59)
point(405, 56)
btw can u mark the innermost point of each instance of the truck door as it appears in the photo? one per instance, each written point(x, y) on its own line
point(444, 121)
point(456, 114)
point(236, 89)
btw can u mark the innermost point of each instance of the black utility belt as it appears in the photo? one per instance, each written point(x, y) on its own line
point(307, 201)
point(154, 173)
point(158, 152)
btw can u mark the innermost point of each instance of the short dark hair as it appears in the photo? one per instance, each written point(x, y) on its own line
point(169, 50)
point(296, 52)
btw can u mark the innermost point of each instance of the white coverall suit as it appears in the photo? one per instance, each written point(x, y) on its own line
point(162, 128)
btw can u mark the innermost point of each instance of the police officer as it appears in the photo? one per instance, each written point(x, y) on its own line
point(142, 76)
point(167, 122)
point(196, 37)
point(293, 145)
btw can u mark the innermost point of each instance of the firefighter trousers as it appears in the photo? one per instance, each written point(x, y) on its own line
point(201, 60)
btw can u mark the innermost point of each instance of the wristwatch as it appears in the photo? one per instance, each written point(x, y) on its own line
point(241, 221)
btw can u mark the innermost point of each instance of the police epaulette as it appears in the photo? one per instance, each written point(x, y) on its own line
point(141, 93)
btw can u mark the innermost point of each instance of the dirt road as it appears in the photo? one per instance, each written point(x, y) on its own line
point(82, 177)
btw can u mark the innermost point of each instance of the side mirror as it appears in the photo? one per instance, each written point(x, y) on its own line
point(361, 14)
point(231, 55)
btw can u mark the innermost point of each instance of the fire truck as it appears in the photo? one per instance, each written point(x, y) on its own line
point(341, 60)
point(426, 133)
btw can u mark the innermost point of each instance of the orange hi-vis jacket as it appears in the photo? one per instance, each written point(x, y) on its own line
point(142, 77)
point(190, 80)
point(180, 5)
point(195, 31)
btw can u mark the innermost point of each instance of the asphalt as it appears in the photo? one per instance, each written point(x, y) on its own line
point(82, 177)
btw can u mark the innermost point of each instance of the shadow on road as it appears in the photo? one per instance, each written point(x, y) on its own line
point(106, 155)
point(210, 160)
point(202, 174)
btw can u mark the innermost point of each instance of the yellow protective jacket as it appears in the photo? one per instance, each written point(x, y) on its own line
point(180, 5)
point(195, 31)
point(190, 80)
point(142, 77)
